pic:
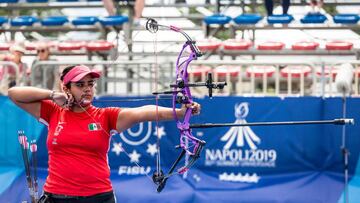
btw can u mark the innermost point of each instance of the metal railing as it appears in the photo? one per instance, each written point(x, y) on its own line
point(121, 77)
point(237, 84)
point(317, 83)
point(138, 77)
point(354, 63)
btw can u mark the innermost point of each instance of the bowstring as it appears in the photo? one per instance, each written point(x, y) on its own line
point(116, 58)
point(156, 77)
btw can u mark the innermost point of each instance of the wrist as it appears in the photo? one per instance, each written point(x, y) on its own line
point(52, 94)
point(180, 113)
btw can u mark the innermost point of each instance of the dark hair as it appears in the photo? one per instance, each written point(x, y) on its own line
point(64, 72)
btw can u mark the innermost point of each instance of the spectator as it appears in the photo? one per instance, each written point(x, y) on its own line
point(39, 73)
point(110, 7)
point(316, 5)
point(8, 74)
point(138, 9)
point(269, 5)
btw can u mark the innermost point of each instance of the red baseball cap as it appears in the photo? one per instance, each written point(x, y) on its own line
point(79, 72)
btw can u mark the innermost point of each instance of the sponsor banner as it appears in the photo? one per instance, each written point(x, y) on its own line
point(259, 163)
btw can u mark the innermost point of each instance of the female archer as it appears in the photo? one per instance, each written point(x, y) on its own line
point(78, 134)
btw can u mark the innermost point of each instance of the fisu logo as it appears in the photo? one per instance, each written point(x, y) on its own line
point(243, 133)
point(136, 136)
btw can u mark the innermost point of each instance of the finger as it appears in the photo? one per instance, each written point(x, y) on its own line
point(192, 105)
point(65, 104)
point(195, 112)
point(188, 105)
point(71, 100)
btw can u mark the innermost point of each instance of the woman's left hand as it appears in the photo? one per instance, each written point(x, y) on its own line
point(195, 108)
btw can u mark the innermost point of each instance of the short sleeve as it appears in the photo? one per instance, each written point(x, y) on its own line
point(46, 109)
point(112, 116)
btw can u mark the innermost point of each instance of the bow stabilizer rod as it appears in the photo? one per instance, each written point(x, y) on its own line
point(340, 121)
point(210, 84)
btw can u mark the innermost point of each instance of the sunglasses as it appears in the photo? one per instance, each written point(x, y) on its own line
point(41, 51)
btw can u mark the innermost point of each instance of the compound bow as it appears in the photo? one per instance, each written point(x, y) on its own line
point(189, 144)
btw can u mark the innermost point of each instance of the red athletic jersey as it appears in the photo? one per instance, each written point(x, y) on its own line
point(78, 148)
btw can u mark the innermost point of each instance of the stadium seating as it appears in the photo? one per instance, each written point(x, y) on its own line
point(209, 45)
point(113, 20)
point(37, 1)
point(3, 20)
point(338, 45)
point(247, 19)
point(219, 20)
point(237, 47)
point(282, 19)
point(304, 45)
point(271, 46)
point(230, 45)
point(4, 46)
point(263, 73)
point(313, 18)
point(100, 45)
point(23, 21)
point(54, 21)
point(298, 73)
point(346, 18)
point(9, 1)
point(85, 20)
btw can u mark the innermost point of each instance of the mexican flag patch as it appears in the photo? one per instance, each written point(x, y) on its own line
point(94, 126)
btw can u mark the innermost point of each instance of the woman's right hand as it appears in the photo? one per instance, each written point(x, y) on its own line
point(62, 99)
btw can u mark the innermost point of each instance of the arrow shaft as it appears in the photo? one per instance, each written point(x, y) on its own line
point(216, 125)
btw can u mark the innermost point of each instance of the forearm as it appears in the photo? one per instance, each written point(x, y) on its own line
point(28, 94)
point(109, 6)
point(160, 113)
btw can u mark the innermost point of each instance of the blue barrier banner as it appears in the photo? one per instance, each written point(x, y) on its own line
point(13, 119)
point(298, 163)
